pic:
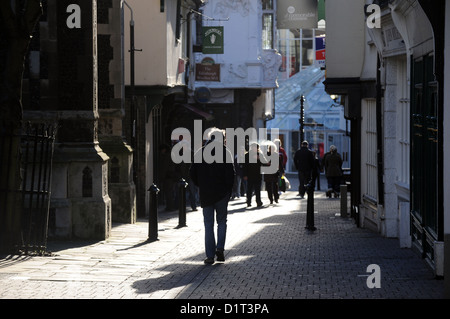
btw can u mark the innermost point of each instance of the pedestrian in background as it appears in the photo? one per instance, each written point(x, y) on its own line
point(238, 179)
point(333, 171)
point(281, 151)
point(215, 182)
point(272, 180)
point(316, 171)
point(254, 159)
point(304, 163)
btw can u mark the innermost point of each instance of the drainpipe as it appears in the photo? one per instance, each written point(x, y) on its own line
point(379, 115)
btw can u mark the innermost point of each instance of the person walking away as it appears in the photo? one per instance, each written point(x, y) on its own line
point(252, 173)
point(238, 180)
point(272, 180)
point(215, 182)
point(304, 163)
point(281, 151)
point(333, 171)
point(324, 169)
point(316, 171)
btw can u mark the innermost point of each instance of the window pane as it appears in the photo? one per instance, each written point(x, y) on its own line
point(290, 52)
point(282, 49)
point(267, 33)
point(294, 57)
point(294, 33)
point(307, 33)
point(267, 4)
point(307, 53)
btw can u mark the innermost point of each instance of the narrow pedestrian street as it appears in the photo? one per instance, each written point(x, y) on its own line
point(269, 255)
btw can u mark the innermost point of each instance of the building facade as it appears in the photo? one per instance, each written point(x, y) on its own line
point(391, 73)
point(73, 78)
point(233, 66)
point(212, 61)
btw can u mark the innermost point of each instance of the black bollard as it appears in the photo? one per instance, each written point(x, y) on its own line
point(310, 207)
point(153, 213)
point(182, 185)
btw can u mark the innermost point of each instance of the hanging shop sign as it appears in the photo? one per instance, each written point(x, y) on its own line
point(297, 14)
point(207, 70)
point(213, 40)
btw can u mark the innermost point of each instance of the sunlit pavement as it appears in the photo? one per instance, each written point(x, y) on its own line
point(269, 255)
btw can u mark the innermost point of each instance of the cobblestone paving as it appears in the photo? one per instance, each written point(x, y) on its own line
point(269, 255)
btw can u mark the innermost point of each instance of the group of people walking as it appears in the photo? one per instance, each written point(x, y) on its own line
point(309, 169)
point(219, 181)
point(248, 178)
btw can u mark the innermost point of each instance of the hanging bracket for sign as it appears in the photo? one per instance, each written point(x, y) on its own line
point(205, 16)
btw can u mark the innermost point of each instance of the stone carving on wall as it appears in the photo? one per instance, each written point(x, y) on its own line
point(225, 7)
point(235, 73)
point(271, 60)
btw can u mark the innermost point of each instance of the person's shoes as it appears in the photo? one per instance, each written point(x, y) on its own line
point(220, 255)
point(249, 205)
point(260, 204)
point(209, 261)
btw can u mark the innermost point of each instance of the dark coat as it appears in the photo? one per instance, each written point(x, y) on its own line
point(304, 160)
point(214, 180)
point(275, 176)
point(333, 164)
point(238, 167)
point(252, 169)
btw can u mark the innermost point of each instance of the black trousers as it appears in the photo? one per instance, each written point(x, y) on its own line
point(272, 190)
point(254, 185)
point(303, 178)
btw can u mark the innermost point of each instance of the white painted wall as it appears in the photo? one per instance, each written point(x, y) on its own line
point(244, 64)
point(157, 64)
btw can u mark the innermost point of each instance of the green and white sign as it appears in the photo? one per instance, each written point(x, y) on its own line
point(213, 40)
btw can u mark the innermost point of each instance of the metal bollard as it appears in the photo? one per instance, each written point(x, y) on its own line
point(182, 185)
point(310, 207)
point(153, 213)
point(343, 190)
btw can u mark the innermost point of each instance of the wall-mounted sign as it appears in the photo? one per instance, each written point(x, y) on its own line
point(213, 40)
point(202, 95)
point(297, 14)
point(207, 72)
point(320, 51)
